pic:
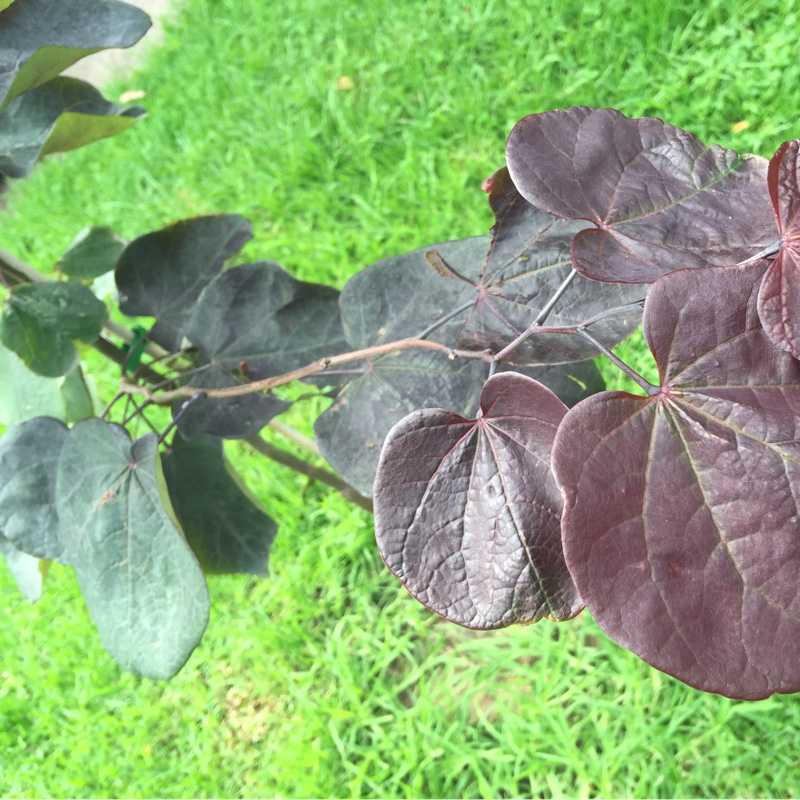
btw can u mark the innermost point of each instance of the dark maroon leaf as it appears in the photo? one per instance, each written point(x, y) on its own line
point(681, 527)
point(260, 319)
point(395, 299)
point(161, 274)
point(228, 418)
point(660, 198)
point(351, 432)
point(527, 261)
point(467, 511)
point(780, 291)
point(401, 296)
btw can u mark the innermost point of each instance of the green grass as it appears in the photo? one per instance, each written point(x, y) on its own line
point(327, 679)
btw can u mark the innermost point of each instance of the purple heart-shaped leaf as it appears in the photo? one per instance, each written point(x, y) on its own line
point(659, 198)
point(681, 525)
point(467, 513)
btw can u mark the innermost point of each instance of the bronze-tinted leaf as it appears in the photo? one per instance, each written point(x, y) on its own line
point(62, 114)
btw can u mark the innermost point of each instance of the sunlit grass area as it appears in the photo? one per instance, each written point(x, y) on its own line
point(327, 679)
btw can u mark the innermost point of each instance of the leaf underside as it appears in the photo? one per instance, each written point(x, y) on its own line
point(467, 513)
point(681, 527)
point(660, 199)
point(41, 38)
point(62, 114)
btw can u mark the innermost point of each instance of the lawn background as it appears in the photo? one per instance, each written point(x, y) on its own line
point(327, 679)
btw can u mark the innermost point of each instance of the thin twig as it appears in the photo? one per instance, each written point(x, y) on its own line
point(288, 432)
point(310, 369)
point(118, 396)
point(181, 412)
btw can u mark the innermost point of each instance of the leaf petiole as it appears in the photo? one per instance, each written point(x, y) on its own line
point(631, 373)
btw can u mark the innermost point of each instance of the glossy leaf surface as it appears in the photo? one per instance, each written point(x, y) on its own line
point(779, 301)
point(41, 323)
point(28, 571)
point(660, 199)
point(61, 115)
point(351, 432)
point(161, 274)
point(467, 513)
point(681, 527)
point(227, 529)
point(142, 584)
point(259, 319)
point(29, 453)
point(527, 262)
point(41, 38)
point(92, 253)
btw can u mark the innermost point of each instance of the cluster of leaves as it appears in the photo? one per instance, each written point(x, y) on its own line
point(42, 112)
point(672, 516)
point(508, 486)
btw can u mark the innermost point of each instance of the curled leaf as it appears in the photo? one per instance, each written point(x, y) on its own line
point(779, 300)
